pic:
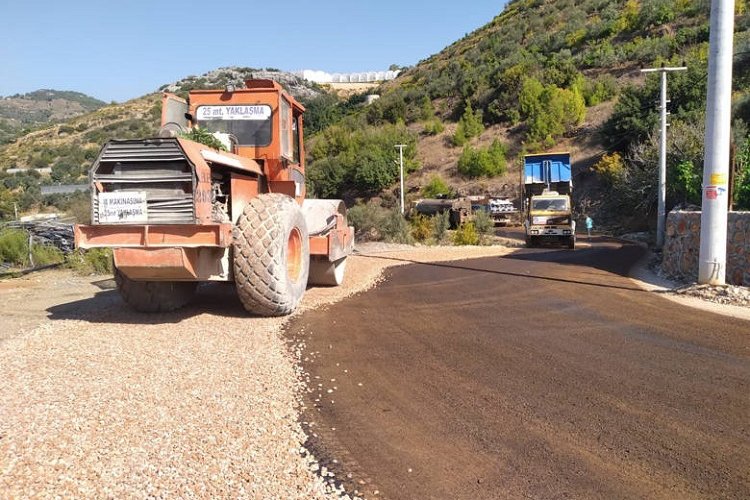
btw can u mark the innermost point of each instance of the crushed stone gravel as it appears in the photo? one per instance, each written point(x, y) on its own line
point(100, 401)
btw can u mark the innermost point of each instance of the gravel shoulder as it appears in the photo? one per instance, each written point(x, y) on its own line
point(730, 301)
point(101, 401)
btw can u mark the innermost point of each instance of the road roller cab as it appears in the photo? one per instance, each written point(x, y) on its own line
point(178, 212)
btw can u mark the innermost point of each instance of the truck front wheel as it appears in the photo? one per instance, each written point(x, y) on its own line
point(154, 296)
point(271, 255)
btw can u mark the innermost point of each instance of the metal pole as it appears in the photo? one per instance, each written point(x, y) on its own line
point(662, 192)
point(401, 163)
point(713, 250)
point(661, 211)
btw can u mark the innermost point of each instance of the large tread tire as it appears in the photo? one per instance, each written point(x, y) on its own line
point(271, 255)
point(154, 296)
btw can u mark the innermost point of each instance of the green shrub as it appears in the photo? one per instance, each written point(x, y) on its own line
point(14, 249)
point(420, 227)
point(367, 219)
point(14, 246)
point(355, 159)
point(600, 90)
point(395, 228)
point(375, 223)
point(92, 261)
point(433, 127)
point(470, 125)
point(46, 254)
point(550, 111)
point(436, 187)
point(742, 182)
point(610, 167)
point(440, 225)
point(483, 222)
point(466, 234)
point(483, 162)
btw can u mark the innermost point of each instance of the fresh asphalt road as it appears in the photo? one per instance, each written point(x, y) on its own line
point(542, 374)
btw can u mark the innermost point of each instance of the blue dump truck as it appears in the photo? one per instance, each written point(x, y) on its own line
point(547, 199)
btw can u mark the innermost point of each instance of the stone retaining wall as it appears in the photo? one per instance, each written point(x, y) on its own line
point(682, 246)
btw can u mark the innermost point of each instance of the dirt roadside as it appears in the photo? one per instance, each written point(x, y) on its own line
point(98, 400)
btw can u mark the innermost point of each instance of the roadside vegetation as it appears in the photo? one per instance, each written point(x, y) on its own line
point(16, 252)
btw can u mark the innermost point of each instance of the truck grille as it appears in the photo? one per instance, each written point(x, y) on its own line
point(157, 167)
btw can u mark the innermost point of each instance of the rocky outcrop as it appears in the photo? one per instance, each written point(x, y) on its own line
point(682, 246)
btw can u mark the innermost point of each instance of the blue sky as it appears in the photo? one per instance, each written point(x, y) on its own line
point(124, 49)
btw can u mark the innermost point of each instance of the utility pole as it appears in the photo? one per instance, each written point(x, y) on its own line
point(712, 259)
point(661, 212)
point(401, 163)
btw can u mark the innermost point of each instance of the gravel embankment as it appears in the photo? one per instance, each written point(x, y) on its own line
point(99, 401)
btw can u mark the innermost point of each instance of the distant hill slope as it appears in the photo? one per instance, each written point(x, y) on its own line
point(75, 141)
point(25, 111)
point(547, 75)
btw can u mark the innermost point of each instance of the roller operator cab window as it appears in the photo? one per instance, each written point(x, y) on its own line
point(251, 125)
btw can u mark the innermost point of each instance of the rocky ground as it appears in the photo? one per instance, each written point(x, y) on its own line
point(100, 401)
point(719, 294)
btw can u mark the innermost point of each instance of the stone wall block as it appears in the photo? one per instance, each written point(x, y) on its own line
point(682, 246)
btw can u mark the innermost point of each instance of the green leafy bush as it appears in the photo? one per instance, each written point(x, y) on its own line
point(742, 182)
point(466, 234)
point(92, 261)
point(610, 167)
point(440, 224)
point(470, 125)
point(359, 160)
point(14, 246)
point(483, 162)
point(14, 249)
point(550, 111)
point(436, 187)
point(687, 182)
point(600, 90)
point(433, 127)
point(374, 223)
point(420, 227)
point(46, 254)
point(483, 222)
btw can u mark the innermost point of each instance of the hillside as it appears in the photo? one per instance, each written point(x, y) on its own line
point(69, 146)
point(552, 75)
point(28, 111)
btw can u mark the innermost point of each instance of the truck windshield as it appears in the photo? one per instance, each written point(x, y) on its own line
point(550, 204)
point(251, 125)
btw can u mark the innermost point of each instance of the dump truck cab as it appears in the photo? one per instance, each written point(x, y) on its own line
point(177, 212)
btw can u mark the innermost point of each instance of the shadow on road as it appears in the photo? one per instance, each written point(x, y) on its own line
point(598, 252)
point(546, 257)
point(107, 306)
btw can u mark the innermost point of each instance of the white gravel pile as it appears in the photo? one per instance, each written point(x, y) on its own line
point(720, 294)
point(197, 404)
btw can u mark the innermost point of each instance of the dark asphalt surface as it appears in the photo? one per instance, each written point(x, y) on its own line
point(542, 374)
